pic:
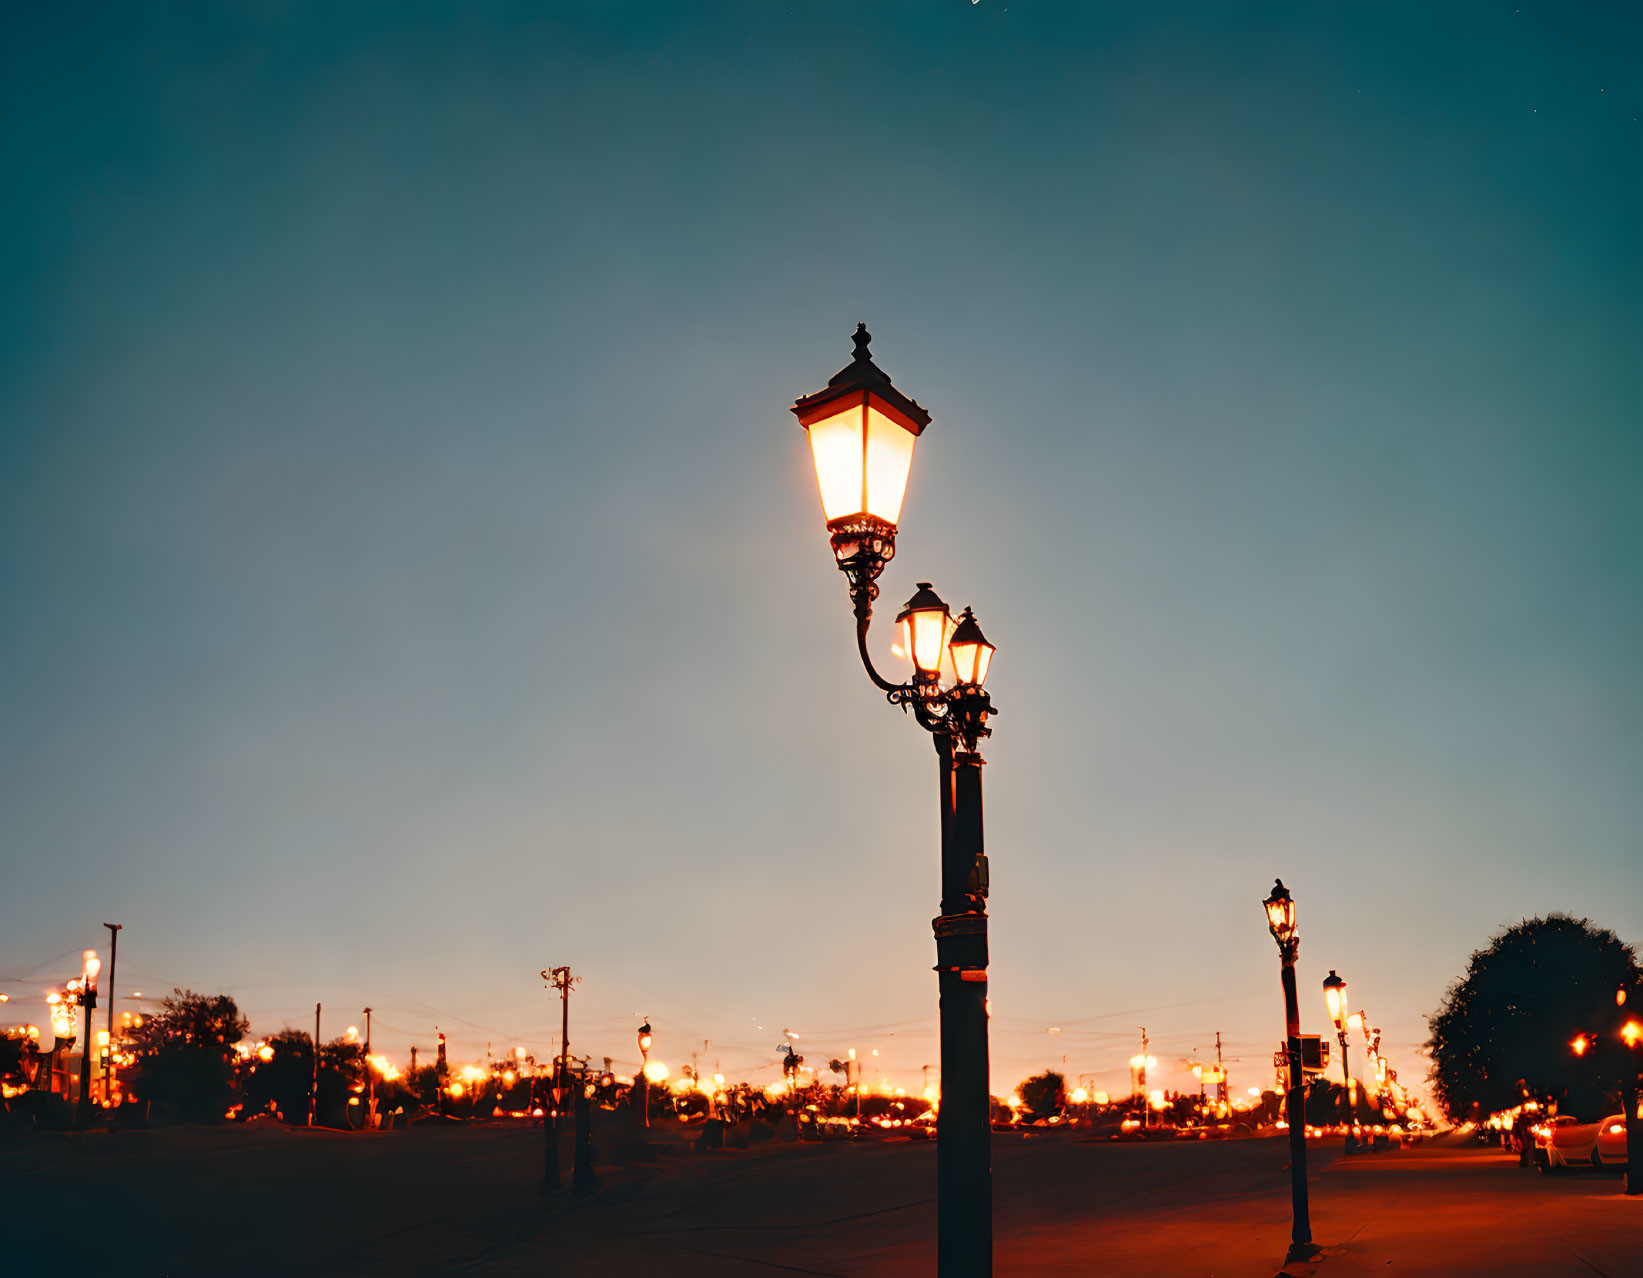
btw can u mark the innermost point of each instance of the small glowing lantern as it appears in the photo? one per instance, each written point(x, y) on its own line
point(91, 966)
point(1280, 913)
point(1579, 1045)
point(924, 624)
point(971, 652)
point(861, 431)
point(644, 1040)
point(1335, 999)
point(1632, 1032)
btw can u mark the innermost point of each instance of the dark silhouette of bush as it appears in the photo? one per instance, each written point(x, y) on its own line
point(1043, 1095)
point(1505, 1028)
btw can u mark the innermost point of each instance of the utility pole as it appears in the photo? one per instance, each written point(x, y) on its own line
point(560, 979)
point(370, 1080)
point(1221, 1092)
point(1146, 1100)
point(113, 952)
point(313, 1090)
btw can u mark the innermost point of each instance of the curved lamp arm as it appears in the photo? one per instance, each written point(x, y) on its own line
point(879, 681)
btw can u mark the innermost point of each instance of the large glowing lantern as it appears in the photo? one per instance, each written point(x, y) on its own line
point(1335, 999)
point(1280, 913)
point(861, 431)
point(925, 624)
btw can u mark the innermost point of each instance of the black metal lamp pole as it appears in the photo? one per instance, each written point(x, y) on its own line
point(641, 1085)
point(861, 433)
point(88, 1002)
point(1631, 1034)
point(1280, 912)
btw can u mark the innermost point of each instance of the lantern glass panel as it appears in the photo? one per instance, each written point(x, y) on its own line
point(971, 660)
point(836, 447)
point(889, 458)
point(928, 627)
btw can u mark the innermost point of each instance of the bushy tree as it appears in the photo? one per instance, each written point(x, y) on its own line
point(283, 1079)
point(1042, 1095)
point(1507, 1024)
point(185, 1055)
point(287, 1077)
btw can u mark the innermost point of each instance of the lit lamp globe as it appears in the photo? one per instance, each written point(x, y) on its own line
point(644, 1040)
point(861, 431)
point(970, 651)
point(925, 624)
point(1280, 913)
point(1335, 999)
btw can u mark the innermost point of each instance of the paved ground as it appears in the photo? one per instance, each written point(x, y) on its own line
point(199, 1201)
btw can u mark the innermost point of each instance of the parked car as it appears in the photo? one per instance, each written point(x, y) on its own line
point(1601, 1144)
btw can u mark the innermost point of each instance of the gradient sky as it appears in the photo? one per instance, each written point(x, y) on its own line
point(411, 576)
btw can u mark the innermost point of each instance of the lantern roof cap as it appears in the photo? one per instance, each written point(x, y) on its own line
point(967, 630)
point(862, 374)
point(924, 600)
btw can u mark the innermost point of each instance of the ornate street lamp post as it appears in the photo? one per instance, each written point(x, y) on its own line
point(641, 1085)
point(1280, 917)
point(862, 431)
point(91, 965)
point(1335, 1002)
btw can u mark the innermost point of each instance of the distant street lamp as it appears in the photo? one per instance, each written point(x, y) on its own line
point(90, 966)
point(642, 1083)
point(1280, 917)
point(862, 431)
point(1631, 1033)
point(1335, 1001)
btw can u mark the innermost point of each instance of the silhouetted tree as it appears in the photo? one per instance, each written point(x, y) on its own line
point(285, 1078)
point(1042, 1095)
point(185, 1055)
point(1507, 1024)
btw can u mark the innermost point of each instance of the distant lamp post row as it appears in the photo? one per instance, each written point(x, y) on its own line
point(862, 431)
point(1280, 917)
point(1335, 1002)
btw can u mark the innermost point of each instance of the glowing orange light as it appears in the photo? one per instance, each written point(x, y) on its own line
point(927, 622)
point(1579, 1045)
point(1631, 1033)
point(971, 654)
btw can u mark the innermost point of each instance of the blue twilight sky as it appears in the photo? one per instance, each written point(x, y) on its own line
point(411, 576)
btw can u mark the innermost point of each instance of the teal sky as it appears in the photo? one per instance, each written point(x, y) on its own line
point(411, 577)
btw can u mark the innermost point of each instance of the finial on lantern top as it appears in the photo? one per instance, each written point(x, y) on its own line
point(862, 337)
